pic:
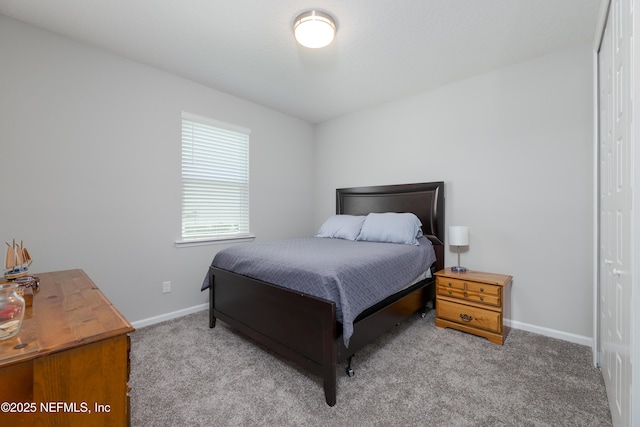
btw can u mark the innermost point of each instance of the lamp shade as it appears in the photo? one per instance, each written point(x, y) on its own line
point(314, 29)
point(459, 235)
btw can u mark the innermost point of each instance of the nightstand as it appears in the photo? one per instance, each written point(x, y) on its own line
point(474, 302)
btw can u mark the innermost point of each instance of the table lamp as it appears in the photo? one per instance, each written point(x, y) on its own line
point(458, 236)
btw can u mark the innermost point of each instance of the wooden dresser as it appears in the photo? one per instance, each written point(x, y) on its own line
point(69, 365)
point(474, 302)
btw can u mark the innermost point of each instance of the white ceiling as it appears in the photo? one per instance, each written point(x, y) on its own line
point(384, 50)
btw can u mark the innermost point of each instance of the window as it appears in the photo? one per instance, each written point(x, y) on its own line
point(215, 180)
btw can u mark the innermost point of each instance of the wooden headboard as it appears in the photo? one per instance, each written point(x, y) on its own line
point(425, 200)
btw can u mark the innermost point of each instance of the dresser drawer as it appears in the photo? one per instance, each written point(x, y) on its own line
point(467, 315)
point(483, 288)
point(450, 283)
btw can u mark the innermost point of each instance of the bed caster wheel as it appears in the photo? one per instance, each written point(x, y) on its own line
point(423, 314)
point(350, 372)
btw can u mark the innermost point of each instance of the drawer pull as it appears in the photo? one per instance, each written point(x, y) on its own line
point(450, 292)
point(481, 289)
point(466, 317)
point(481, 298)
point(450, 284)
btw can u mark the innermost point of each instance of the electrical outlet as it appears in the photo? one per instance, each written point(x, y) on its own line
point(166, 287)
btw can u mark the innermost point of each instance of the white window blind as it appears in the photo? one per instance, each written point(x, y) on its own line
point(215, 179)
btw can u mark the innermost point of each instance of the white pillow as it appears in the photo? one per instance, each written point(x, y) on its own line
point(341, 227)
point(391, 227)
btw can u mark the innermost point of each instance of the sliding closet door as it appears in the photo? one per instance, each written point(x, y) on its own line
point(614, 67)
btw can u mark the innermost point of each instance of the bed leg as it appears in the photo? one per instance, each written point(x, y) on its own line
point(212, 319)
point(329, 381)
point(329, 355)
point(330, 385)
point(425, 307)
point(350, 370)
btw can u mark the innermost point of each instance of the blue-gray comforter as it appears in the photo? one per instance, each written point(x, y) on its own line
point(353, 274)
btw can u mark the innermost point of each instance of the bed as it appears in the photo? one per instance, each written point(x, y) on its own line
point(307, 329)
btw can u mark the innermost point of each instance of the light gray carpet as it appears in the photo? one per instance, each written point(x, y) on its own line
point(185, 374)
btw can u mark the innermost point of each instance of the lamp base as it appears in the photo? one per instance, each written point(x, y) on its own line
point(459, 269)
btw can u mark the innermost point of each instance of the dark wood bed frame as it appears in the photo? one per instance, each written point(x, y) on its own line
point(303, 328)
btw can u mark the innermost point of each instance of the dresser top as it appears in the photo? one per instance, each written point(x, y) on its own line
point(478, 276)
point(68, 311)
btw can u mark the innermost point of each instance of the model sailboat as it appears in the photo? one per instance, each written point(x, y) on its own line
point(17, 261)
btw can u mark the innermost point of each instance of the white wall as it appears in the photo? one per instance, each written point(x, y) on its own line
point(90, 168)
point(90, 171)
point(514, 148)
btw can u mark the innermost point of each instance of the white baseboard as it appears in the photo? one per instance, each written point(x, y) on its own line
point(168, 316)
point(564, 336)
point(577, 339)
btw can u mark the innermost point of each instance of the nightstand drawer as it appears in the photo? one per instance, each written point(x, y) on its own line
point(451, 292)
point(450, 283)
point(483, 288)
point(484, 299)
point(467, 315)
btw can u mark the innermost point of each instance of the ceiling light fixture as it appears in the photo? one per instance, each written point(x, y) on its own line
point(314, 29)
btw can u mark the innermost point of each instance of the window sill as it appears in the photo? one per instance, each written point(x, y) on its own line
point(214, 241)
